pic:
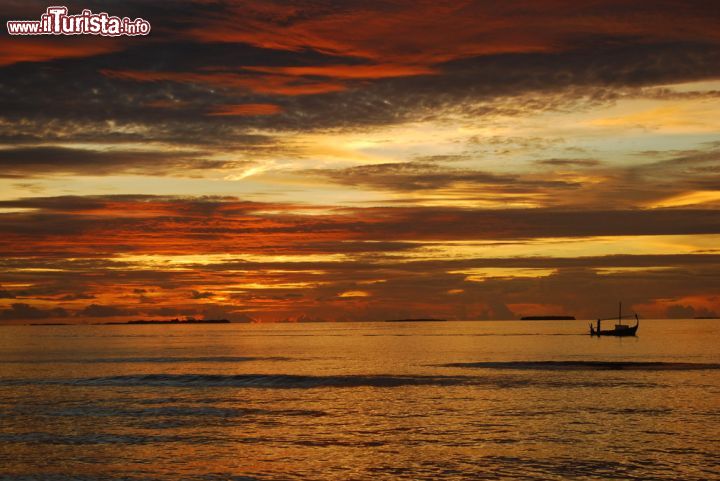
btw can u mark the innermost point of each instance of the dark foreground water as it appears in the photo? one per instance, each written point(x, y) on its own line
point(374, 401)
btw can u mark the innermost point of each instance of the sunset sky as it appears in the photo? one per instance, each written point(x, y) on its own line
point(362, 160)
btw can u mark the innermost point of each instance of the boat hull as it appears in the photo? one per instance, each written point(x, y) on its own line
point(622, 332)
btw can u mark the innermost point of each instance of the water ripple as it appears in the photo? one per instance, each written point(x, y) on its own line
point(291, 381)
point(146, 360)
point(589, 365)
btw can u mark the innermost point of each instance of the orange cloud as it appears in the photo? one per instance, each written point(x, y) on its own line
point(354, 294)
point(154, 256)
point(423, 32)
point(263, 84)
point(33, 50)
point(245, 109)
point(409, 32)
point(166, 104)
point(349, 71)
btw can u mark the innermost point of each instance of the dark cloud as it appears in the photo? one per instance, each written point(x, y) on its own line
point(517, 84)
point(100, 226)
point(440, 223)
point(221, 311)
point(399, 279)
point(188, 205)
point(201, 295)
point(496, 310)
point(681, 163)
point(77, 296)
point(24, 162)
point(97, 310)
point(165, 312)
point(324, 65)
point(418, 176)
point(177, 80)
point(441, 159)
point(22, 311)
point(569, 162)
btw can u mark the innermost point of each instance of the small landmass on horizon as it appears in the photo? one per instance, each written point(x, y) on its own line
point(429, 319)
point(167, 322)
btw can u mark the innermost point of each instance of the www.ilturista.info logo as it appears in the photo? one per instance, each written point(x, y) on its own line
point(56, 21)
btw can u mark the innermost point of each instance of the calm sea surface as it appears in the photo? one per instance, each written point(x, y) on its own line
point(372, 401)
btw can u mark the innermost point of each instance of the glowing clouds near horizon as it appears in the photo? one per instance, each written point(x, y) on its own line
point(272, 161)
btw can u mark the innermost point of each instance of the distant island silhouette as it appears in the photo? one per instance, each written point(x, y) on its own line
point(417, 320)
point(547, 318)
point(170, 321)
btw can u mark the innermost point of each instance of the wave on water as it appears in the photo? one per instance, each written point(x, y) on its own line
point(125, 477)
point(290, 381)
point(271, 381)
point(177, 411)
point(588, 365)
point(479, 334)
point(78, 439)
point(147, 360)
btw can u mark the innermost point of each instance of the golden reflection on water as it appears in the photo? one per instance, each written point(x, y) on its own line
point(358, 401)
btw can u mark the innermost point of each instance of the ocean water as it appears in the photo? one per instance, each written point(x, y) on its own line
point(360, 401)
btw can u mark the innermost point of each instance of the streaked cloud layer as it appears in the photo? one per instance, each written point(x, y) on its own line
point(363, 160)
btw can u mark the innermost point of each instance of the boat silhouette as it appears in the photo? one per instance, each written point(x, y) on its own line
point(620, 329)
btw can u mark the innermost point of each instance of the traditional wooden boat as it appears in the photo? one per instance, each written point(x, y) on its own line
point(620, 328)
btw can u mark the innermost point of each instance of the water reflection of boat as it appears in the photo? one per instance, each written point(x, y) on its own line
point(620, 328)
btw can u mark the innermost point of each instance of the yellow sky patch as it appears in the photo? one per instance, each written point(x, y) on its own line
point(688, 198)
point(355, 294)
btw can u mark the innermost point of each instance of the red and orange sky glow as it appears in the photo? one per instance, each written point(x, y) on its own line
point(359, 160)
